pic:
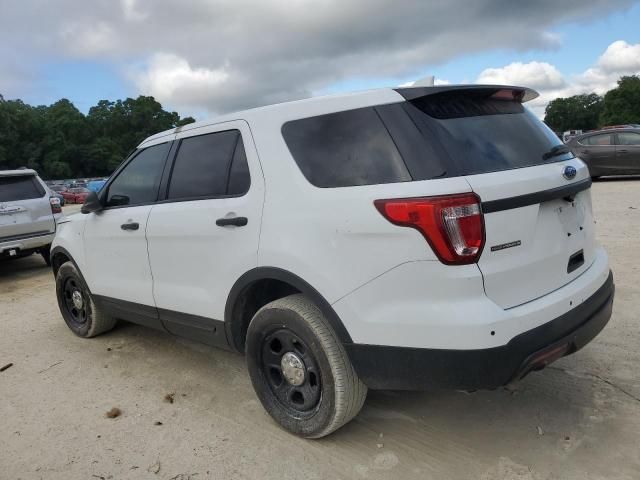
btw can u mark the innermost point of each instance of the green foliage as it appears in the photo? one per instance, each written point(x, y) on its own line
point(60, 142)
point(622, 104)
point(619, 106)
point(580, 112)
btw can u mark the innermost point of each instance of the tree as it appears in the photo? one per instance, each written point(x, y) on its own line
point(59, 141)
point(622, 104)
point(580, 112)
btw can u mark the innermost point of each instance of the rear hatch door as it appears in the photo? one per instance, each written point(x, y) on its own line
point(535, 194)
point(24, 207)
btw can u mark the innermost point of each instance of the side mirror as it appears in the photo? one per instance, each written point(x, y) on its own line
point(92, 203)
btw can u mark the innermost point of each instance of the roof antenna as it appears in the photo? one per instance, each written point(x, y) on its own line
point(428, 81)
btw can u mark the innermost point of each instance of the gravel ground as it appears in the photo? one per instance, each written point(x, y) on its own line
point(578, 419)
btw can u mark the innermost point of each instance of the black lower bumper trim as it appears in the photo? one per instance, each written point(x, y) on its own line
point(401, 368)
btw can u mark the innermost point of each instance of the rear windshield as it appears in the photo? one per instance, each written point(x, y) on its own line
point(22, 187)
point(479, 134)
point(440, 135)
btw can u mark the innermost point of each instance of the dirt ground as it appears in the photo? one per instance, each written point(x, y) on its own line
point(578, 419)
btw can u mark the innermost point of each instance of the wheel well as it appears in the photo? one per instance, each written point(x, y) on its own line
point(57, 259)
point(251, 299)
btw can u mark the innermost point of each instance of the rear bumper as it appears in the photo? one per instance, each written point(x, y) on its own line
point(403, 368)
point(25, 243)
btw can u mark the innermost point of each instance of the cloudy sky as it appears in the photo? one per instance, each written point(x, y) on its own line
point(203, 57)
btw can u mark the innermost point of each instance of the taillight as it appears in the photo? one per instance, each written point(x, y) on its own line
point(55, 205)
point(452, 224)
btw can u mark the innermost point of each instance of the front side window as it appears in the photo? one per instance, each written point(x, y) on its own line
point(139, 181)
point(206, 165)
point(597, 140)
point(628, 138)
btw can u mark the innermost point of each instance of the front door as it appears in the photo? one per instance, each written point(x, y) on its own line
point(204, 235)
point(118, 270)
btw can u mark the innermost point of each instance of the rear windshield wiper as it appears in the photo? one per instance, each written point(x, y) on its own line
point(555, 151)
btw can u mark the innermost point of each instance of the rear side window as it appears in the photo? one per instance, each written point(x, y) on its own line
point(139, 181)
point(23, 187)
point(604, 139)
point(628, 138)
point(211, 165)
point(239, 178)
point(345, 149)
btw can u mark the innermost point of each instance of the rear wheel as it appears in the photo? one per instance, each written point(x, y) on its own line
point(300, 370)
point(78, 309)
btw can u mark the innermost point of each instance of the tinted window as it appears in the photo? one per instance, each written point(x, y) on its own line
point(474, 133)
point(604, 139)
point(21, 187)
point(202, 165)
point(345, 149)
point(239, 178)
point(138, 182)
point(628, 138)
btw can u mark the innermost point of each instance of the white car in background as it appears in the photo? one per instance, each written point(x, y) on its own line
point(27, 214)
point(412, 238)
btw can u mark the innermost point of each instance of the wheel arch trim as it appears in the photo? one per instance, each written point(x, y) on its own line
point(58, 249)
point(274, 273)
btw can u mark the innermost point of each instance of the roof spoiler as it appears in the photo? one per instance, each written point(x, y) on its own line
point(521, 94)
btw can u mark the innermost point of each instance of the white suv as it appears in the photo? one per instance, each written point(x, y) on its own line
point(416, 238)
point(28, 214)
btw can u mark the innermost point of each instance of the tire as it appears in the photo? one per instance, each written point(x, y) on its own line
point(46, 254)
point(330, 393)
point(88, 320)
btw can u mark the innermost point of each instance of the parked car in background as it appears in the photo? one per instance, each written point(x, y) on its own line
point(609, 151)
point(569, 134)
point(76, 194)
point(96, 185)
point(412, 238)
point(27, 214)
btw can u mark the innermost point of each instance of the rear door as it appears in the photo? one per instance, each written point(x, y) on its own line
point(628, 151)
point(599, 152)
point(24, 207)
point(204, 235)
point(535, 194)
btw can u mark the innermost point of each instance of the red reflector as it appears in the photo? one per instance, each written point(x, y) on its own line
point(452, 224)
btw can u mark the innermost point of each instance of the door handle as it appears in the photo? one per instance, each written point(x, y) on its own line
point(130, 226)
point(233, 221)
point(623, 151)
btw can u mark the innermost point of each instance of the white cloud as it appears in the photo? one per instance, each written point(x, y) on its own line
point(537, 75)
point(87, 41)
point(620, 58)
point(240, 53)
point(168, 76)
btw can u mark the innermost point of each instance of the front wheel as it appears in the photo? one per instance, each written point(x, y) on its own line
point(300, 370)
point(76, 304)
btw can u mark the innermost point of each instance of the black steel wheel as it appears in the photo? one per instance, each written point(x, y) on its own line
point(77, 307)
point(291, 371)
point(300, 370)
point(75, 301)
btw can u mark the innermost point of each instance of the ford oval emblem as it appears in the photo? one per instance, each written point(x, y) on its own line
point(569, 172)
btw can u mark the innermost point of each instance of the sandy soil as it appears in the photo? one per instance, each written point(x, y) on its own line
point(578, 419)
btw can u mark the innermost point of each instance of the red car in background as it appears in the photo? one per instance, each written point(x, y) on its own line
point(75, 195)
